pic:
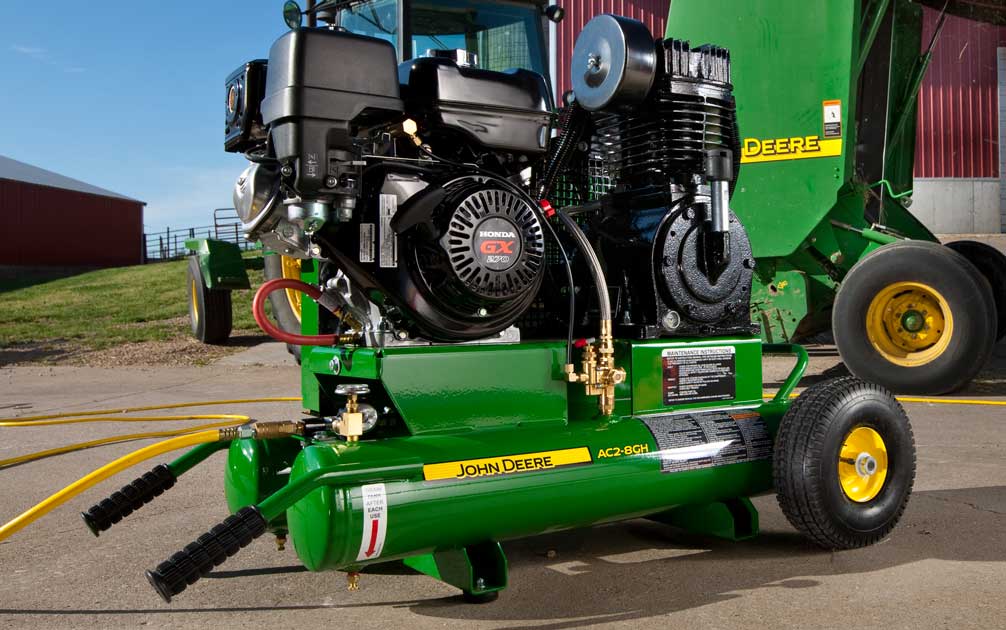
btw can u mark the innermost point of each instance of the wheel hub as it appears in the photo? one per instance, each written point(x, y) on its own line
point(909, 323)
point(862, 464)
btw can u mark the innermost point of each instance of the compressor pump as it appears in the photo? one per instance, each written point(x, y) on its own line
point(514, 311)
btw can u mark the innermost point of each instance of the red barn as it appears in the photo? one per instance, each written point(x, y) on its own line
point(48, 220)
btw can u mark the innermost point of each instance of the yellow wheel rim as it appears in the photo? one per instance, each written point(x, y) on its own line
point(862, 464)
point(909, 323)
point(291, 269)
point(195, 301)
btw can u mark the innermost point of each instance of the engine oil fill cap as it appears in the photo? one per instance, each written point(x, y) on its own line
point(614, 63)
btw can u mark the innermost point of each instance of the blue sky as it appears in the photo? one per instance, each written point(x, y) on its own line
point(129, 95)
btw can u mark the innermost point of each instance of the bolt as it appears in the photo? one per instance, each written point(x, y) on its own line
point(331, 182)
point(402, 335)
point(480, 584)
point(551, 554)
point(287, 170)
point(482, 312)
point(316, 251)
point(335, 365)
point(671, 321)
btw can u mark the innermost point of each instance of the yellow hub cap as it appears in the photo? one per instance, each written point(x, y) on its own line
point(909, 323)
point(862, 464)
point(195, 301)
point(291, 269)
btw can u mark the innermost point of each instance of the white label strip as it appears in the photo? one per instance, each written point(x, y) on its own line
point(375, 521)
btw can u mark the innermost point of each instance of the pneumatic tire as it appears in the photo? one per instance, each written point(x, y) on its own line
point(286, 314)
point(210, 315)
point(992, 264)
point(819, 489)
point(915, 317)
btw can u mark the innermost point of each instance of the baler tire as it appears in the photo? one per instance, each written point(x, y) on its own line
point(992, 264)
point(890, 283)
point(210, 310)
point(280, 302)
point(806, 463)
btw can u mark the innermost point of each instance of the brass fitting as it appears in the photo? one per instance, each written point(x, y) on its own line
point(262, 430)
point(600, 375)
point(280, 542)
point(352, 581)
point(411, 129)
point(351, 420)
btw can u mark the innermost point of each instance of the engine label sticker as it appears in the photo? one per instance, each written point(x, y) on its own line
point(507, 464)
point(690, 441)
point(832, 119)
point(388, 238)
point(367, 242)
point(375, 521)
point(754, 150)
point(698, 374)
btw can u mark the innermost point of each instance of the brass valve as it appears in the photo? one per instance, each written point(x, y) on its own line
point(351, 420)
point(263, 430)
point(599, 375)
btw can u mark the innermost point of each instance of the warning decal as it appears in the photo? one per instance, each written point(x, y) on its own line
point(506, 465)
point(388, 238)
point(832, 119)
point(702, 440)
point(375, 521)
point(367, 240)
point(698, 374)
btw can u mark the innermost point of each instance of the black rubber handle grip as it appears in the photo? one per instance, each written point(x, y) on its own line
point(127, 500)
point(172, 576)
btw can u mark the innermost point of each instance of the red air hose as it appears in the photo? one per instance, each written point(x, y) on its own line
point(258, 310)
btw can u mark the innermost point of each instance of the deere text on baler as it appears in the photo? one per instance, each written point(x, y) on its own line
point(479, 365)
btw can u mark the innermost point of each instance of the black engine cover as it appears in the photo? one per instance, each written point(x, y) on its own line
point(468, 254)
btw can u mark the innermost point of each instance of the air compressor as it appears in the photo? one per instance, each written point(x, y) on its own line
point(521, 320)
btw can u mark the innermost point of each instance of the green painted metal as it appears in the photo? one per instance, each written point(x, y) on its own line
point(450, 527)
point(477, 569)
point(220, 263)
point(733, 519)
point(789, 56)
point(195, 456)
point(327, 526)
point(257, 469)
point(793, 379)
point(452, 387)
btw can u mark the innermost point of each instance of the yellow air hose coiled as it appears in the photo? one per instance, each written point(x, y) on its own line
point(74, 420)
point(101, 412)
point(79, 446)
point(103, 473)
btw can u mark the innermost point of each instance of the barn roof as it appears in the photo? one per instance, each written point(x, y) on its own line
point(21, 172)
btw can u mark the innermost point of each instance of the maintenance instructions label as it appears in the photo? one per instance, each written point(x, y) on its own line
point(698, 374)
point(375, 521)
point(507, 464)
point(689, 441)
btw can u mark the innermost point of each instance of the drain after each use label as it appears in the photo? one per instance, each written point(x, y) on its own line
point(698, 374)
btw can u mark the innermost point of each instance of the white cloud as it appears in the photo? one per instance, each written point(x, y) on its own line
point(31, 51)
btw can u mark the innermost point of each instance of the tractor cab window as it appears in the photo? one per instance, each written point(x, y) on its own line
point(377, 18)
point(503, 35)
